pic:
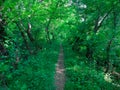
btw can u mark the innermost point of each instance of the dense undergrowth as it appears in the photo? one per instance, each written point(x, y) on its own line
point(83, 76)
point(35, 73)
point(29, 28)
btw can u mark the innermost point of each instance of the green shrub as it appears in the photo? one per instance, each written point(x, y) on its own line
point(81, 76)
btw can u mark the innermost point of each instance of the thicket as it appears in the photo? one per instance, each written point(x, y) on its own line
point(30, 34)
point(83, 76)
point(28, 51)
point(94, 39)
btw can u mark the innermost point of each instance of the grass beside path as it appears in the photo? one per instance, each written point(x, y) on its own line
point(81, 75)
point(36, 73)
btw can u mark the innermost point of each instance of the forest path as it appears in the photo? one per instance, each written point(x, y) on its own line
point(60, 75)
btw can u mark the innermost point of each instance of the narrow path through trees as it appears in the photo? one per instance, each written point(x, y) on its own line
point(60, 75)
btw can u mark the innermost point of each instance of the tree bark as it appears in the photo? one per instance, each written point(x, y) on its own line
point(108, 63)
point(3, 34)
point(47, 30)
point(100, 20)
point(23, 36)
point(29, 33)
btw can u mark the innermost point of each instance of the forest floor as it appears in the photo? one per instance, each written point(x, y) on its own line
point(60, 74)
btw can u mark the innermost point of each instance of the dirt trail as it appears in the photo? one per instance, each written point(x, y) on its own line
point(60, 75)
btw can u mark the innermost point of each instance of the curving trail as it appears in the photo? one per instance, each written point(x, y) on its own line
point(60, 75)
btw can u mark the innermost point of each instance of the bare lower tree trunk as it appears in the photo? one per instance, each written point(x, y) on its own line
point(29, 33)
point(3, 51)
point(47, 30)
point(108, 62)
point(23, 36)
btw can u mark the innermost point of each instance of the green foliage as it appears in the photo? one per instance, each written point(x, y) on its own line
point(89, 28)
point(36, 72)
point(84, 77)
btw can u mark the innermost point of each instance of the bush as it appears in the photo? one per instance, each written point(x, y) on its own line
point(81, 76)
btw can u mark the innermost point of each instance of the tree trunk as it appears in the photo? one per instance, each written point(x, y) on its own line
point(47, 30)
point(23, 36)
point(29, 33)
point(2, 31)
point(108, 63)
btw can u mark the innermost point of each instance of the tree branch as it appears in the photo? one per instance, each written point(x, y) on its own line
point(100, 20)
point(29, 33)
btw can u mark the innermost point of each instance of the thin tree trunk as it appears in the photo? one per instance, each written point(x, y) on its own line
point(108, 62)
point(23, 36)
point(29, 33)
point(47, 30)
point(3, 50)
